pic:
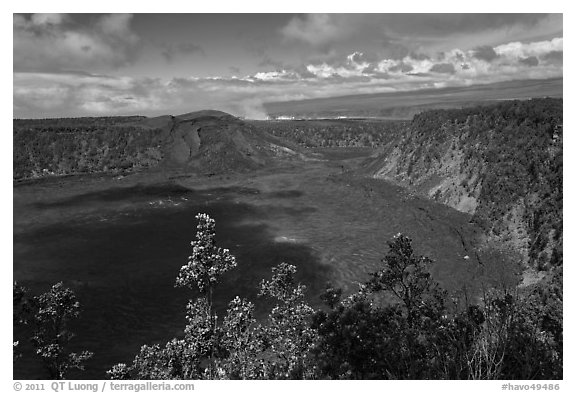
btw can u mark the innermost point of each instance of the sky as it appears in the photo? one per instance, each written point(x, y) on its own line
point(151, 64)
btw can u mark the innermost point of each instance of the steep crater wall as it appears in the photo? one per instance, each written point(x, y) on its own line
point(501, 163)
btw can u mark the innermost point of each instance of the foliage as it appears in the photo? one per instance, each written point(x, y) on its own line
point(360, 339)
point(20, 313)
point(335, 133)
point(287, 335)
point(49, 315)
point(407, 278)
point(179, 358)
point(534, 347)
point(520, 337)
point(21, 304)
point(416, 336)
point(208, 350)
point(207, 261)
point(236, 348)
point(85, 145)
point(399, 324)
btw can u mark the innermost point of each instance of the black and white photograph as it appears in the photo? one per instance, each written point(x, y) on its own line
point(287, 196)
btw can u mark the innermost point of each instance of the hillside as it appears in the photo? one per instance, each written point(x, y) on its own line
point(502, 163)
point(205, 142)
point(215, 142)
point(334, 133)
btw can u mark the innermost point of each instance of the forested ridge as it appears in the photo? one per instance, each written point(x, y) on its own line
point(205, 142)
point(335, 133)
point(44, 147)
point(502, 163)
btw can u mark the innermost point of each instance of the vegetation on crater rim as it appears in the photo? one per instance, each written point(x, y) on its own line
point(420, 333)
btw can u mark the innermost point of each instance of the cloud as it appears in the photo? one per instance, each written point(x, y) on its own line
point(514, 60)
point(401, 34)
point(54, 94)
point(323, 28)
point(486, 53)
point(418, 56)
point(171, 51)
point(531, 61)
point(234, 70)
point(52, 42)
point(269, 62)
point(303, 72)
point(362, 58)
point(521, 49)
point(47, 19)
point(554, 57)
point(315, 29)
point(401, 67)
point(57, 95)
point(74, 94)
point(441, 25)
point(443, 68)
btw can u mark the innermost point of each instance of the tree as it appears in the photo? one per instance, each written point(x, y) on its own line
point(238, 347)
point(288, 335)
point(522, 337)
point(388, 328)
point(207, 262)
point(208, 350)
point(407, 278)
point(52, 312)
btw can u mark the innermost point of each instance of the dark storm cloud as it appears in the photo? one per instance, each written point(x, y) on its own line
point(171, 51)
point(531, 61)
point(486, 53)
point(443, 68)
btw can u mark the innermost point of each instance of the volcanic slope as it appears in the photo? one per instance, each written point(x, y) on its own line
point(212, 142)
